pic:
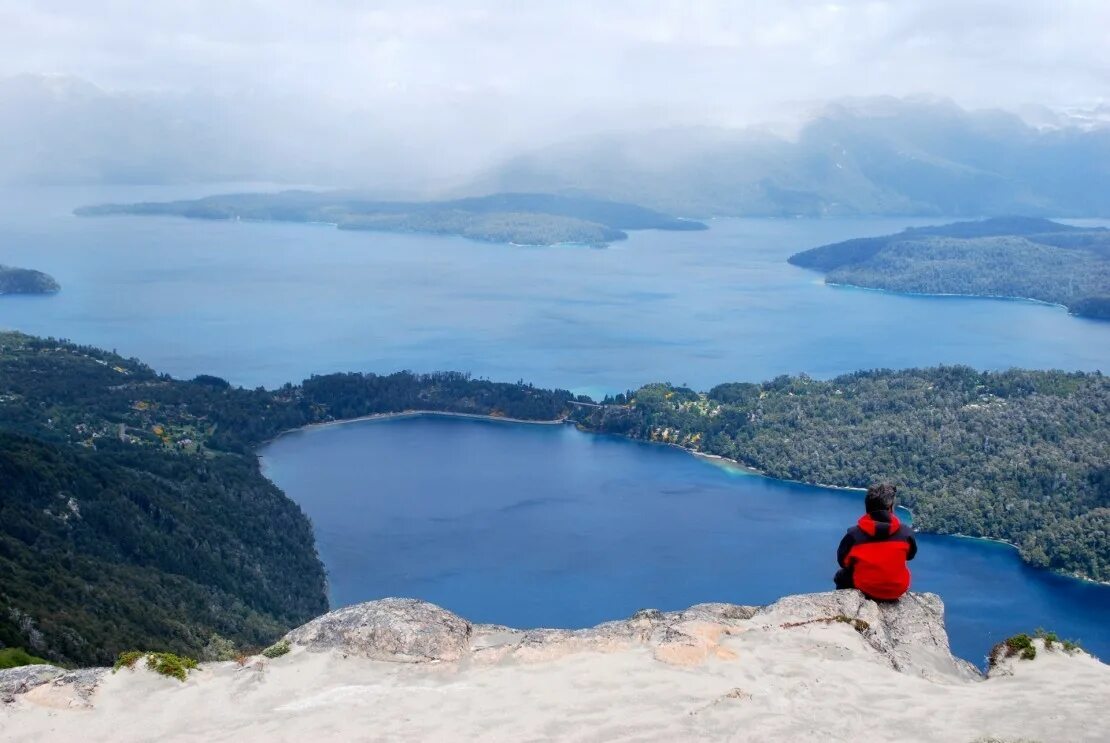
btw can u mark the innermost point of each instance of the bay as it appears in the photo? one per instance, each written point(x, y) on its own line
point(534, 525)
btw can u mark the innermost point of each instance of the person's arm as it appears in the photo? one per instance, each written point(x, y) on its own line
point(913, 546)
point(845, 547)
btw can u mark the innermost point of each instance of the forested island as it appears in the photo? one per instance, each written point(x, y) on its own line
point(1013, 257)
point(521, 218)
point(26, 281)
point(134, 512)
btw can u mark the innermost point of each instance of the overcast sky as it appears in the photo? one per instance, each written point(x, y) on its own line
point(727, 57)
point(526, 71)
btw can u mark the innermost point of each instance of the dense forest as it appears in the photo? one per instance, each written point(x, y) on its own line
point(26, 281)
point(1022, 456)
point(1002, 257)
point(132, 509)
point(522, 218)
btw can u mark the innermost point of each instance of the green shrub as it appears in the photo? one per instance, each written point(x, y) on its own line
point(1070, 646)
point(278, 649)
point(13, 657)
point(1020, 645)
point(167, 664)
point(127, 659)
point(1049, 638)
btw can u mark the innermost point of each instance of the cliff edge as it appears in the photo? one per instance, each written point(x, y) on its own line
point(822, 667)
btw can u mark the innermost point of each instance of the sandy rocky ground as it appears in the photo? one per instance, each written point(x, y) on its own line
point(400, 669)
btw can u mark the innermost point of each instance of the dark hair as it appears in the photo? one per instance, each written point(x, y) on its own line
point(880, 497)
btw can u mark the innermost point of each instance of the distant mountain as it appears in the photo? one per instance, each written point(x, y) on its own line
point(875, 156)
point(523, 218)
point(26, 281)
point(1002, 257)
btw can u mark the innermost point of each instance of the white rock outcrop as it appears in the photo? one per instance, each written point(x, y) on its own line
point(818, 667)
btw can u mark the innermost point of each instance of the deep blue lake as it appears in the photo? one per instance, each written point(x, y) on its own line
point(528, 525)
point(534, 525)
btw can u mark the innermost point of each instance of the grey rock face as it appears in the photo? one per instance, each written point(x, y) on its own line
point(22, 679)
point(404, 630)
point(80, 685)
point(909, 632)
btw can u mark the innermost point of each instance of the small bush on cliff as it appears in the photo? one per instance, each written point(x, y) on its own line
point(1020, 645)
point(278, 649)
point(127, 659)
point(167, 664)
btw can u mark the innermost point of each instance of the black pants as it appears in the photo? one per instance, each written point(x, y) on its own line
point(843, 578)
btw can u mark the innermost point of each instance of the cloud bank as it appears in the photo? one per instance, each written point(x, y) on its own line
point(461, 83)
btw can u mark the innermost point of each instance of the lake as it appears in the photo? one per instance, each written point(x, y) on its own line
point(270, 303)
point(529, 525)
point(534, 525)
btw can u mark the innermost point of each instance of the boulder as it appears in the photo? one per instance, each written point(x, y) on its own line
point(908, 633)
point(393, 629)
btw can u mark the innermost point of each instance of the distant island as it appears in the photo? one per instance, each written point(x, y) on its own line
point(1005, 257)
point(26, 281)
point(521, 218)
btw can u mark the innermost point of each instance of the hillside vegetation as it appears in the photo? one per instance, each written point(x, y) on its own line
point(1001, 257)
point(133, 512)
point(523, 218)
point(1022, 456)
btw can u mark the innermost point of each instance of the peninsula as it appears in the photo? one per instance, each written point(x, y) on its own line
point(26, 281)
point(1004, 257)
point(521, 218)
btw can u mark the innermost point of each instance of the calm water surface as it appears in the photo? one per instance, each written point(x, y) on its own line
point(532, 525)
point(526, 525)
point(270, 303)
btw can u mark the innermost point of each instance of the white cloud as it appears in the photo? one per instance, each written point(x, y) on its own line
point(498, 74)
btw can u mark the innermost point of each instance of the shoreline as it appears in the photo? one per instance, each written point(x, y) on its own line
point(898, 292)
point(710, 458)
point(408, 414)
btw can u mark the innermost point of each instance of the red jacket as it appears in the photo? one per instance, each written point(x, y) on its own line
point(876, 551)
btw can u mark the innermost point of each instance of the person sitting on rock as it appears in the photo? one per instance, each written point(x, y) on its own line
point(873, 554)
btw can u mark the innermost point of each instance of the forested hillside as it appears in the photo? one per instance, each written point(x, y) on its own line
point(132, 509)
point(1022, 456)
point(1001, 257)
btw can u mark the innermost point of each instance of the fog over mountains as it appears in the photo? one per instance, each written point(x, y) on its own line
point(898, 156)
point(873, 156)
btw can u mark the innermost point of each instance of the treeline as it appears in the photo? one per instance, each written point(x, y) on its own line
point(1022, 456)
point(132, 509)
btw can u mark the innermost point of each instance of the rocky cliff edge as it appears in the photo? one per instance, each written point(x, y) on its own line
point(827, 666)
